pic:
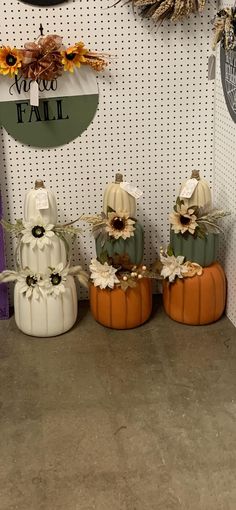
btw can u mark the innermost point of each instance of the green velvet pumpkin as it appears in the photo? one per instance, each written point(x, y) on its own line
point(131, 249)
point(202, 251)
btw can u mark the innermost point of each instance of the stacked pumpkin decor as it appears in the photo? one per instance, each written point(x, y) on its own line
point(120, 287)
point(45, 297)
point(194, 286)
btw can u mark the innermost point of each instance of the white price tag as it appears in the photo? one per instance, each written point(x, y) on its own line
point(188, 188)
point(42, 199)
point(132, 190)
point(34, 94)
point(211, 67)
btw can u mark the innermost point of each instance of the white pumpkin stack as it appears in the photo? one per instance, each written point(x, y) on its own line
point(50, 315)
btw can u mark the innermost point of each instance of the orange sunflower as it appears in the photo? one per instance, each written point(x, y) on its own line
point(74, 57)
point(10, 60)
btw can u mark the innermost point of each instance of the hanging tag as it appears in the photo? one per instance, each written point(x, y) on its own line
point(188, 188)
point(34, 93)
point(132, 190)
point(211, 67)
point(42, 199)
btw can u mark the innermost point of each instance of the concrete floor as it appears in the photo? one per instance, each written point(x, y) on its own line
point(137, 420)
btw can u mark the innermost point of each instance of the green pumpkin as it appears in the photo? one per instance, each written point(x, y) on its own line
point(202, 251)
point(130, 249)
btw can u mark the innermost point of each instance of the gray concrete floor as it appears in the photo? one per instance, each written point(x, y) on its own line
point(137, 420)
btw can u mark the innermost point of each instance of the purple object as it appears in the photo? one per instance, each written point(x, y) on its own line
point(4, 303)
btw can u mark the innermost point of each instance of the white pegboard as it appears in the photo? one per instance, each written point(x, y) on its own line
point(154, 123)
point(225, 183)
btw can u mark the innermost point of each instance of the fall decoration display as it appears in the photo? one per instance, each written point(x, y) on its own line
point(198, 300)
point(174, 10)
point(46, 59)
point(120, 288)
point(117, 199)
point(224, 27)
point(121, 309)
point(45, 298)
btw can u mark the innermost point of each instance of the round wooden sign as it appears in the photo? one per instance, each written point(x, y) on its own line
point(228, 78)
point(66, 108)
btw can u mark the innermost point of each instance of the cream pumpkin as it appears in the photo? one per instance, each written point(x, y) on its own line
point(48, 316)
point(31, 210)
point(118, 199)
point(202, 194)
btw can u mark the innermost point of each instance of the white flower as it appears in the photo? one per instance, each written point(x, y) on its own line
point(103, 275)
point(183, 219)
point(37, 233)
point(172, 267)
point(54, 283)
point(29, 282)
point(119, 225)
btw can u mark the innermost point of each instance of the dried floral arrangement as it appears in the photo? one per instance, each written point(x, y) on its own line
point(39, 234)
point(47, 58)
point(174, 10)
point(116, 270)
point(194, 220)
point(224, 27)
point(172, 267)
point(36, 285)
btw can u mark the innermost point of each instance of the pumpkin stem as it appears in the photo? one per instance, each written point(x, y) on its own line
point(195, 175)
point(119, 178)
point(39, 184)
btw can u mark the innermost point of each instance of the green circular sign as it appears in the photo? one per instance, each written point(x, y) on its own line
point(66, 108)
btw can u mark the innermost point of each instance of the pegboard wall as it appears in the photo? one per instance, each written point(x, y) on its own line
point(155, 121)
point(225, 183)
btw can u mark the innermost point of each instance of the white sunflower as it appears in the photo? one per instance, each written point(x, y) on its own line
point(37, 233)
point(172, 267)
point(119, 225)
point(29, 282)
point(103, 275)
point(54, 281)
point(183, 219)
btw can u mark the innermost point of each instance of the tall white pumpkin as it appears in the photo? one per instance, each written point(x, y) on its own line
point(118, 199)
point(202, 194)
point(31, 211)
point(48, 316)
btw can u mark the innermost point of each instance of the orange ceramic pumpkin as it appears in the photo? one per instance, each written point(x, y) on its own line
point(119, 309)
point(197, 300)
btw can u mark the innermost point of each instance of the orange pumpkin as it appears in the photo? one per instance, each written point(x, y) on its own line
point(119, 309)
point(197, 300)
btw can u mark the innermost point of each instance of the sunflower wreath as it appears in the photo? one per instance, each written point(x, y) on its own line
point(175, 10)
point(46, 59)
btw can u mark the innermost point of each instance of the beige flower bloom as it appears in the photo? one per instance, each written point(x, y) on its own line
point(183, 220)
point(193, 269)
point(119, 225)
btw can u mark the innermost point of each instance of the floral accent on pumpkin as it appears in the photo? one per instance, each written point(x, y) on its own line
point(103, 275)
point(37, 233)
point(194, 220)
point(74, 56)
point(10, 61)
point(173, 267)
point(183, 219)
point(224, 27)
point(29, 282)
point(119, 225)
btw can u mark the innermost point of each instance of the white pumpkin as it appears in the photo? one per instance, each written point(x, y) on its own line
point(118, 199)
point(202, 194)
point(48, 316)
point(31, 211)
point(40, 260)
